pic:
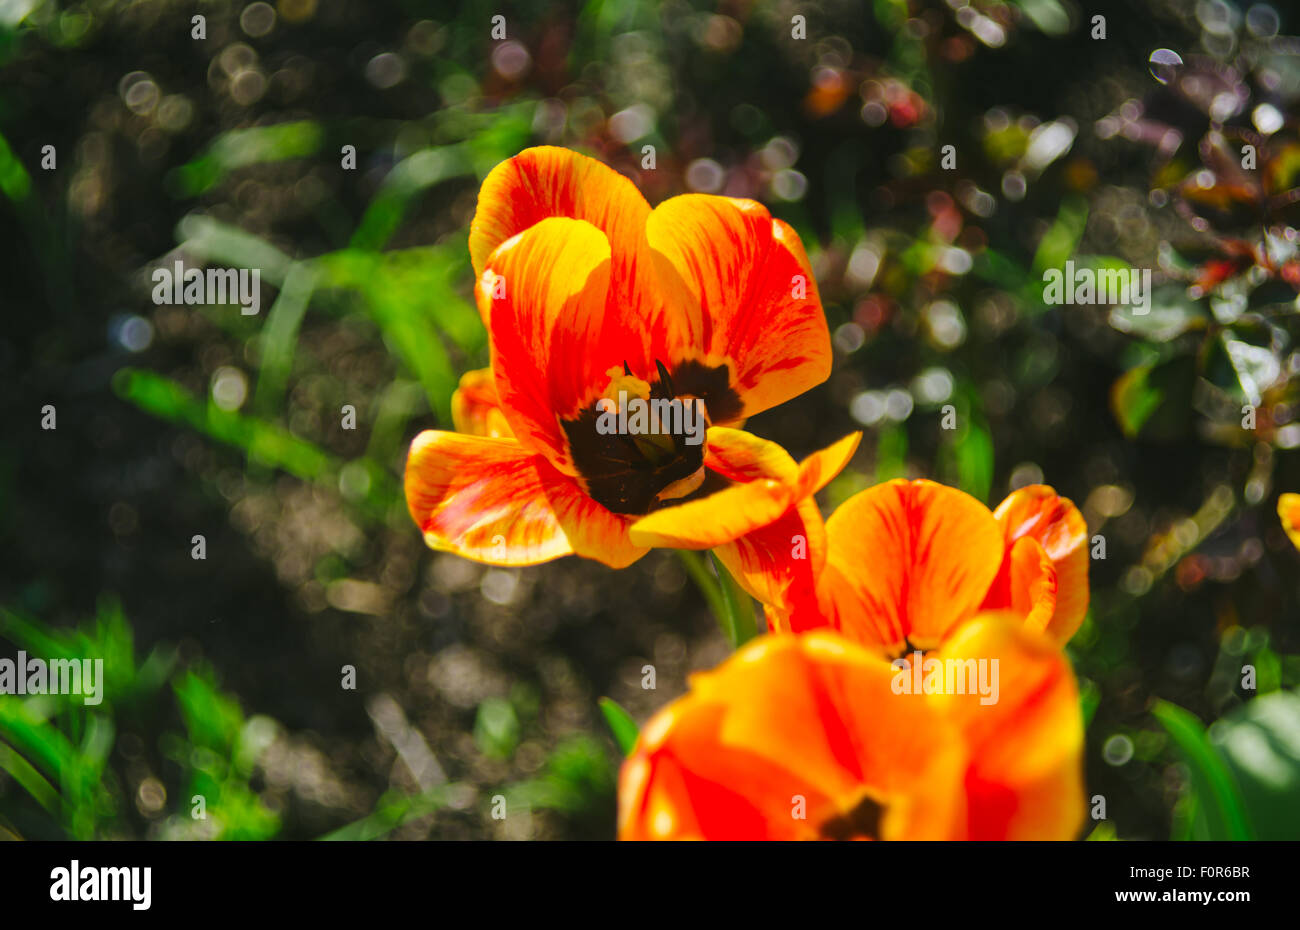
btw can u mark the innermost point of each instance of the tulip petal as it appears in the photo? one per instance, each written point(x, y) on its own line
point(1039, 512)
point(1026, 776)
point(1026, 585)
point(759, 309)
point(778, 564)
point(494, 501)
point(714, 520)
point(787, 739)
point(742, 456)
point(553, 333)
point(818, 469)
point(547, 181)
point(766, 528)
point(1288, 511)
point(908, 562)
point(475, 409)
point(763, 476)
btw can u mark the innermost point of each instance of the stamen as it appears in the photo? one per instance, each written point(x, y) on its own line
point(666, 381)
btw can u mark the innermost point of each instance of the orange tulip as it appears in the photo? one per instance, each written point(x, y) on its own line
point(908, 562)
point(899, 565)
point(812, 737)
point(594, 301)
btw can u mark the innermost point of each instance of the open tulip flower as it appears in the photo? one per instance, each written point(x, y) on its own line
point(597, 309)
point(812, 737)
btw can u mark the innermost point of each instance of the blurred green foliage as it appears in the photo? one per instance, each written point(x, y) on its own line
point(932, 282)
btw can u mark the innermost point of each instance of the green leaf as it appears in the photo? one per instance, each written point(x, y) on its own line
point(891, 452)
point(264, 443)
point(29, 732)
point(392, 812)
point(30, 780)
point(279, 335)
point(1061, 240)
point(409, 296)
point(578, 778)
point(1154, 399)
point(1213, 786)
point(240, 147)
point(1105, 830)
point(409, 178)
point(1260, 742)
point(1255, 367)
point(220, 243)
point(496, 728)
point(621, 725)
point(973, 452)
point(1048, 15)
point(1089, 699)
point(1170, 314)
point(15, 182)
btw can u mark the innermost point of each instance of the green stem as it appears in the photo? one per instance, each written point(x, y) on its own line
point(704, 580)
point(739, 616)
point(729, 603)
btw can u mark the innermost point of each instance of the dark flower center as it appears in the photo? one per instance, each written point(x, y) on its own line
point(861, 823)
point(641, 444)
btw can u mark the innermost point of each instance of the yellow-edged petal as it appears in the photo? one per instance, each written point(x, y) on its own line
point(494, 501)
point(1040, 513)
point(475, 408)
point(759, 309)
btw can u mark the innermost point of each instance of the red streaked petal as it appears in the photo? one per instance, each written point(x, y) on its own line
point(1040, 513)
point(1026, 585)
point(912, 560)
point(1026, 776)
point(788, 733)
point(778, 564)
point(475, 409)
point(494, 501)
point(760, 312)
point(547, 181)
point(742, 456)
point(548, 289)
point(818, 469)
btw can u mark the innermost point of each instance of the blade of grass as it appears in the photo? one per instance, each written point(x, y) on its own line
point(29, 779)
point(409, 177)
point(621, 725)
point(279, 336)
point(239, 147)
point(220, 243)
point(263, 443)
point(393, 813)
point(1214, 784)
